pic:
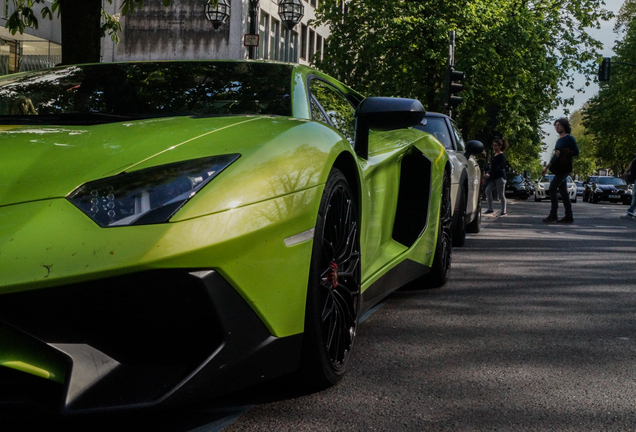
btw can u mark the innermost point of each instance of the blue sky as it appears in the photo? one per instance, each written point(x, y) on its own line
point(607, 36)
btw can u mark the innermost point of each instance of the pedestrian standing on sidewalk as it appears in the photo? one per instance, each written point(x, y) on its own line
point(496, 176)
point(630, 176)
point(561, 166)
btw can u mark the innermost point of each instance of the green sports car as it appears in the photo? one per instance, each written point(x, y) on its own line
point(174, 229)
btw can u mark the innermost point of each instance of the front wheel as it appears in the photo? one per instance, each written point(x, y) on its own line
point(333, 295)
point(440, 270)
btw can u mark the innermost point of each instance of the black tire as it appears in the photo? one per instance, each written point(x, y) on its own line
point(536, 199)
point(593, 199)
point(459, 229)
point(574, 200)
point(475, 225)
point(440, 270)
point(333, 294)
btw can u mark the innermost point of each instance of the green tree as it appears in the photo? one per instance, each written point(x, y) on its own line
point(585, 164)
point(517, 55)
point(84, 23)
point(610, 116)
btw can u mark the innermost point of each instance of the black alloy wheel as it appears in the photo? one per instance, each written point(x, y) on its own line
point(333, 297)
point(440, 269)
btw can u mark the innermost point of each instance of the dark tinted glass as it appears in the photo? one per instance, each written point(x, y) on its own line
point(611, 181)
point(436, 126)
point(151, 89)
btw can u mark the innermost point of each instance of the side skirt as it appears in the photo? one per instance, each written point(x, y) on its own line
point(405, 272)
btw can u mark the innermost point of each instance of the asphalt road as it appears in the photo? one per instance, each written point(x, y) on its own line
point(535, 331)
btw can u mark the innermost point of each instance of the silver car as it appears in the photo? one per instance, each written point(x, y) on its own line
point(542, 188)
point(466, 175)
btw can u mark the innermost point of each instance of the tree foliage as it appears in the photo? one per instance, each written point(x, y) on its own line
point(517, 55)
point(585, 164)
point(610, 116)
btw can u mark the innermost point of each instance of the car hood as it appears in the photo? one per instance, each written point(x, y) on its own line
point(612, 187)
point(42, 162)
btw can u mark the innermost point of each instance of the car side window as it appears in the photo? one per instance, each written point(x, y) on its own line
point(436, 126)
point(458, 136)
point(316, 112)
point(339, 111)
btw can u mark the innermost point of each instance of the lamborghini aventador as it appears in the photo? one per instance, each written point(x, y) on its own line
point(172, 229)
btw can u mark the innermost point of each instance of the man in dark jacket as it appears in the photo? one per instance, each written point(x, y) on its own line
point(561, 166)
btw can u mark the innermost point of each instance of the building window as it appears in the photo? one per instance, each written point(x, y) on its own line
point(284, 42)
point(293, 47)
point(312, 38)
point(262, 39)
point(303, 41)
point(314, 3)
point(318, 47)
point(274, 38)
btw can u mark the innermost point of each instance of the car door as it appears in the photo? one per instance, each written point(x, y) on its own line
point(380, 175)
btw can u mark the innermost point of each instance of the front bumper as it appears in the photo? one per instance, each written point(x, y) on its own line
point(545, 194)
point(619, 196)
point(98, 319)
point(135, 341)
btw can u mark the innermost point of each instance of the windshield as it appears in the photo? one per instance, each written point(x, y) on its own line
point(514, 179)
point(147, 89)
point(611, 181)
point(436, 126)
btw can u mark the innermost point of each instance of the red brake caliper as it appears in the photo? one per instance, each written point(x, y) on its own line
point(332, 276)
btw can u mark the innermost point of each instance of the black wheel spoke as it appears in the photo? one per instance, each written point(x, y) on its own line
point(339, 279)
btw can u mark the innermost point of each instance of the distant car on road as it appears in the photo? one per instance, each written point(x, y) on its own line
point(607, 188)
point(516, 187)
point(579, 188)
point(542, 189)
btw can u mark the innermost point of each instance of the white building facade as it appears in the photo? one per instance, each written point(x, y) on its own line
point(35, 49)
point(181, 31)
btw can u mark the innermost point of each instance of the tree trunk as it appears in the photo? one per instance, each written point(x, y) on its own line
point(81, 39)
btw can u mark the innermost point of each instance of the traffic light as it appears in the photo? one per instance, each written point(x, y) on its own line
point(454, 87)
point(604, 70)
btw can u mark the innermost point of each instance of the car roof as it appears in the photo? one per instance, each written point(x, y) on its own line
point(435, 114)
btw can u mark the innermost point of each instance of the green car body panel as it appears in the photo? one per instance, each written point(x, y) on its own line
point(237, 224)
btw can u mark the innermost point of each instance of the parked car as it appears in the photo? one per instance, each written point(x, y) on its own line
point(542, 188)
point(516, 187)
point(172, 229)
point(608, 188)
point(579, 188)
point(466, 173)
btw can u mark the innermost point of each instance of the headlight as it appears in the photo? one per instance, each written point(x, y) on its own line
point(598, 190)
point(540, 186)
point(147, 196)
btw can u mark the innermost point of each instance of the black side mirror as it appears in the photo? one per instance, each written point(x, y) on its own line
point(474, 147)
point(384, 113)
